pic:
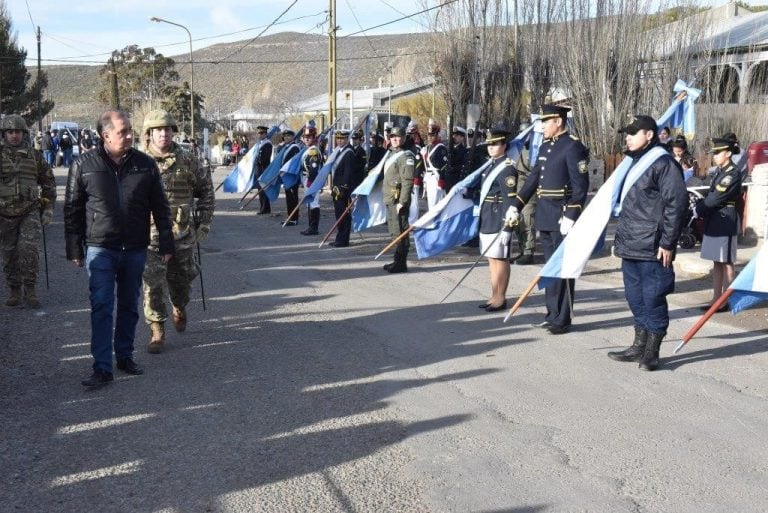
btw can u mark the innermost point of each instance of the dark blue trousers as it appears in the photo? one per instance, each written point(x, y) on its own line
point(559, 296)
point(646, 286)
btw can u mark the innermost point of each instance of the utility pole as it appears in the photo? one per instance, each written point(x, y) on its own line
point(40, 93)
point(332, 64)
point(114, 96)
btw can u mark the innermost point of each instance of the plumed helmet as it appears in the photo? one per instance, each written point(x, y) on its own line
point(412, 127)
point(14, 122)
point(158, 119)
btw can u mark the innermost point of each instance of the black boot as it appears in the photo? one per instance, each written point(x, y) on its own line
point(633, 353)
point(650, 361)
point(526, 259)
point(314, 222)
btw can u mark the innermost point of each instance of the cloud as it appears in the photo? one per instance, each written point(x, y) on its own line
point(225, 19)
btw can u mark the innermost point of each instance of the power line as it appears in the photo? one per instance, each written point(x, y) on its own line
point(447, 2)
point(283, 61)
point(260, 33)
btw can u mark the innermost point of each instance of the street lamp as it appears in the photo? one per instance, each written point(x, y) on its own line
point(191, 73)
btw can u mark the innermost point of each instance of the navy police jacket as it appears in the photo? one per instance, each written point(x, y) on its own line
point(560, 181)
point(718, 208)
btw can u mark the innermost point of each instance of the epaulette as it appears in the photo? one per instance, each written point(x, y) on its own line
point(573, 137)
point(509, 162)
point(313, 152)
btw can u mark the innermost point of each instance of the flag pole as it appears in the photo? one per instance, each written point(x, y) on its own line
point(519, 302)
point(338, 221)
point(704, 318)
point(473, 266)
point(395, 241)
point(256, 192)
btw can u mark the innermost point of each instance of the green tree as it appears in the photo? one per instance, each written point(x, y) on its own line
point(176, 101)
point(141, 74)
point(17, 95)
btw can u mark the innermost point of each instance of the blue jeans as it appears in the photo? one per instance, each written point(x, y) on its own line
point(105, 268)
point(646, 286)
point(48, 156)
point(66, 157)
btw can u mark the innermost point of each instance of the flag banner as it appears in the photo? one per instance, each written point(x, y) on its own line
point(451, 222)
point(241, 178)
point(370, 209)
point(586, 236)
point(681, 115)
point(269, 180)
point(322, 176)
point(751, 285)
point(536, 138)
point(290, 172)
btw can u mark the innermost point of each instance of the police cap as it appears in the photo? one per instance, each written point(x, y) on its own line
point(497, 134)
point(288, 131)
point(724, 144)
point(341, 134)
point(640, 122)
point(262, 129)
point(549, 111)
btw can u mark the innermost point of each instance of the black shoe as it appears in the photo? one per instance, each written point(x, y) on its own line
point(98, 378)
point(484, 305)
point(291, 223)
point(556, 329)
point(260, 213)
point(339, 244)
point(526, 259)
point(309, 231)
point(129, 367)
point(397, 268)
point(543, 324)
point(387, 267)
point(491, 308)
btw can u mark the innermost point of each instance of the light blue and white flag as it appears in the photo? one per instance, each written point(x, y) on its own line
point(241, 178)
point(681, 115)
point(290, 172)
point(370, 210)
point(270, 181)
point(322, 175)
point(751, 285)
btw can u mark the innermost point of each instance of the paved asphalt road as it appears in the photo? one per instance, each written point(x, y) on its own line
point(316, 382)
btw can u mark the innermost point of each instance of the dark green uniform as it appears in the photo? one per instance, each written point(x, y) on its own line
point(399, 169)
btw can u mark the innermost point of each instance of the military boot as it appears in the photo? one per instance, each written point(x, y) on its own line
point(314, 222)
point(158, 337)
point(633, 353)
point(525, 259)
point(15, 298)
point(30, 297)
point(179, 319)
point(650, 360)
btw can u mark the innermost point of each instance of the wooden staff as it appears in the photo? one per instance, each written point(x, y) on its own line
point(338, 221)
point(704, 318)
point(519, 302)
point(473, 266)
point(395, 241)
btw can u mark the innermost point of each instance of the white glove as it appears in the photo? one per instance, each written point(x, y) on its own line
point(463, 191)
point(504, 238)
point(511, 217)
point(694, 214)
point(416, 191)
point(565, 225)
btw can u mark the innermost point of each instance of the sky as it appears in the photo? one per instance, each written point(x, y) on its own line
point(86, 32)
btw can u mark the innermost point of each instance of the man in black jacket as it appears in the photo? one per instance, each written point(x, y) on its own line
point(343, 177)
point(651, 208)
point(110, 195)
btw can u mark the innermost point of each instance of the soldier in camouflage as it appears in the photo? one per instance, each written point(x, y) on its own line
point(27, 195)
point(399, 169)
point(191, 197)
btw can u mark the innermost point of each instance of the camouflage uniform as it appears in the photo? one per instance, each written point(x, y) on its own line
point(184, 180)
point(526, 233)
point(399, 170)
point(27, 190)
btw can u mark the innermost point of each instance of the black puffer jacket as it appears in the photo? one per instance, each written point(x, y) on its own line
point(653, 211)
point(109, 206)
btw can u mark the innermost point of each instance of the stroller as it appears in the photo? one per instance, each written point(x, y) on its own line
point(693, 231)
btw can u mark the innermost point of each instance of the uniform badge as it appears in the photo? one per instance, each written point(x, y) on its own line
point(313, 152)
point(722, 186)
point(511, 181)
point(583, 166)
point(409, 162)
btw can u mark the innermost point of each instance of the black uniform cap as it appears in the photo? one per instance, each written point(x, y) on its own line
point(262, 128)
point(341, 134)
point(722, 144)
point(497, 133)
point(640, 122)
point(549, 111)
point(288, 131)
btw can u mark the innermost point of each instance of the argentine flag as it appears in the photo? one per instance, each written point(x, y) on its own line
point(751, 285)
point(370, 210)
point(241, 178)
point(322, 176)
point(291, 170)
